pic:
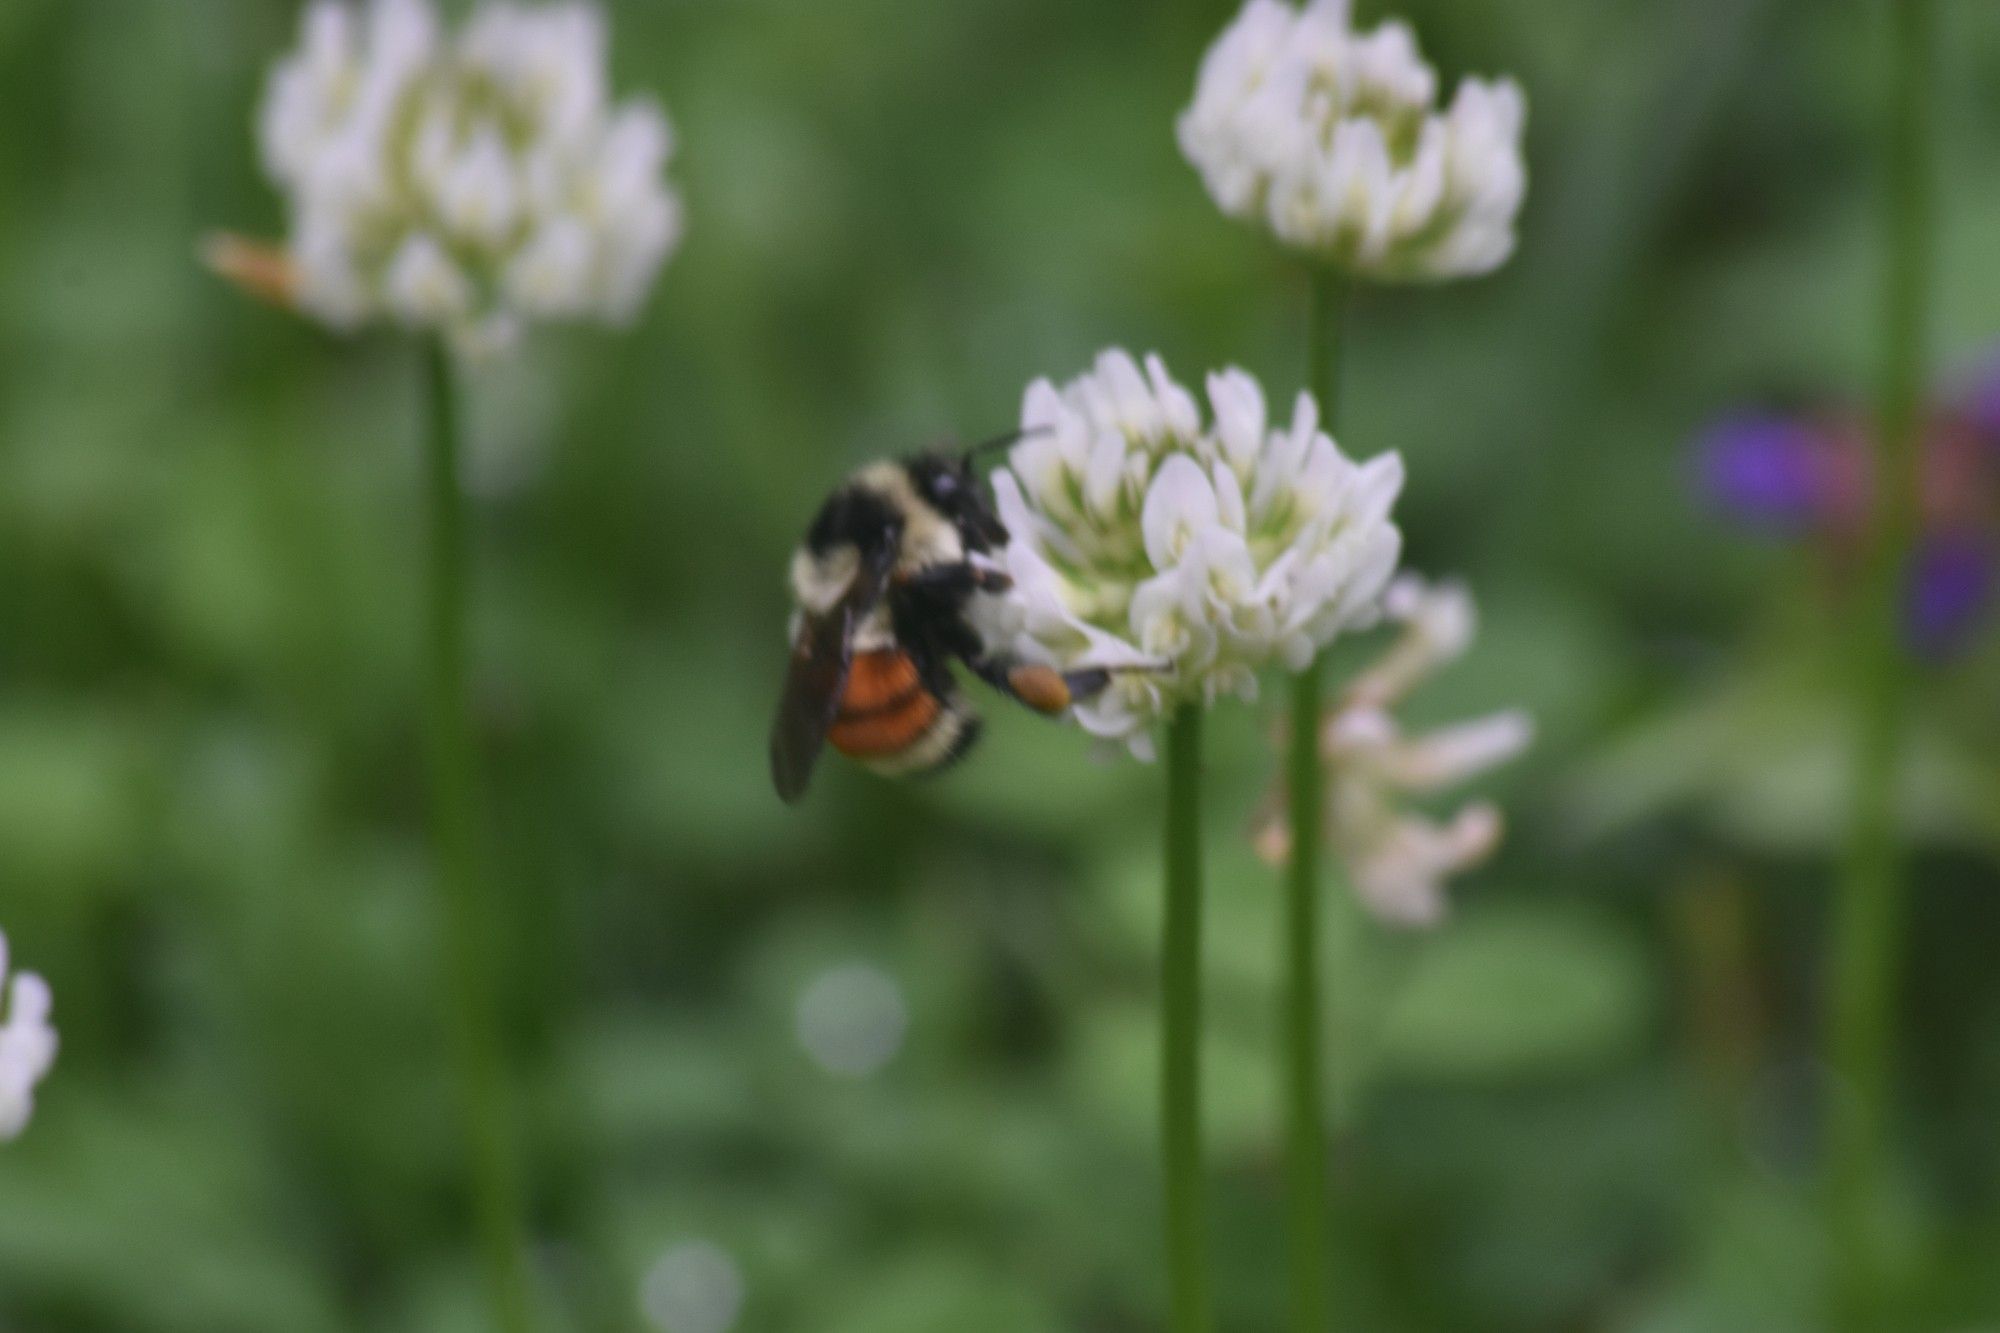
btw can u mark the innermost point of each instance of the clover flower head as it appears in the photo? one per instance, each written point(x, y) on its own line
point(1980, 403)
point(27, 1045)
point(464, 181)
point(1949, 591)
point(1190, 551)
point(1807, 477)
point(1772, 469)
point(1396, 858)
point(1334, 139)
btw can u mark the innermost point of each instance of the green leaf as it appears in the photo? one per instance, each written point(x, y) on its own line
point(1518, 992)
point(941, 1288)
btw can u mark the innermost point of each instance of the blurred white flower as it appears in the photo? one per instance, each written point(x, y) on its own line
point(852, 1020)
point(1438, 621)
point(27, 1045)
point(1397, 859)
point(694, 1287)
point(466, 182)
point(1142, 536)
point(1333, 139)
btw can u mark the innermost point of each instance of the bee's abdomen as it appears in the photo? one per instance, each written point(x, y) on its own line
point(892, 721)
point(885, 708)
point(879, 682)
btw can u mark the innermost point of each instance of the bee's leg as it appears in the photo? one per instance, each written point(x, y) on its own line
point(1042, 688)
point(960, 579)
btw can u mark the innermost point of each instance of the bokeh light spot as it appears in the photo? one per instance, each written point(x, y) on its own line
point(852, 1020)
point(695, 1287)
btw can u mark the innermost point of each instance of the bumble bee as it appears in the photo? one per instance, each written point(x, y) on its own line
point(883, 583)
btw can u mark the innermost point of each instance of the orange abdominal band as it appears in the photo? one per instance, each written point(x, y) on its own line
point(885, 708)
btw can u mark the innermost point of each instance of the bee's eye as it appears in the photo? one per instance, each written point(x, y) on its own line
point(944, 486)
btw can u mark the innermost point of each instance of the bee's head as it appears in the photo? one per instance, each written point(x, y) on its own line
point(950, 485)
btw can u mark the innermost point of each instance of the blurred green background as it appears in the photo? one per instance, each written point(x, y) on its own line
point(886, 1061)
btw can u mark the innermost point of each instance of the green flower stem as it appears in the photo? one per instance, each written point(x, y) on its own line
point(1305, 1158)
point(475, 1041)
point(1180, 1031)
point(1868, 914)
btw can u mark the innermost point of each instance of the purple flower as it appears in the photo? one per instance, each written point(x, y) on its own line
point(1952, 580)
point(1808, 476)
point(1767, 469)
point(1982, 406)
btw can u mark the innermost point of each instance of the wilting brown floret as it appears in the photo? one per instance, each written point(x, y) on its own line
point(263, 270)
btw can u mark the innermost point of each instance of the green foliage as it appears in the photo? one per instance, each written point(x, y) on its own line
point(1511, 993)
point(1564, 1110)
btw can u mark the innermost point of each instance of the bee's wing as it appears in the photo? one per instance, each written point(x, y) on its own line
point(821, 655)
point(822, 651)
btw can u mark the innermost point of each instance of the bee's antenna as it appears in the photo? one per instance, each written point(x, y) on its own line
point(1007, 441)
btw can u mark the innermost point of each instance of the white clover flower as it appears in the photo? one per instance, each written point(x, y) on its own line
point(464, 182)
point(27, 1045)
point(1142, 536)
point(1398, 860)
point(1334, 140)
